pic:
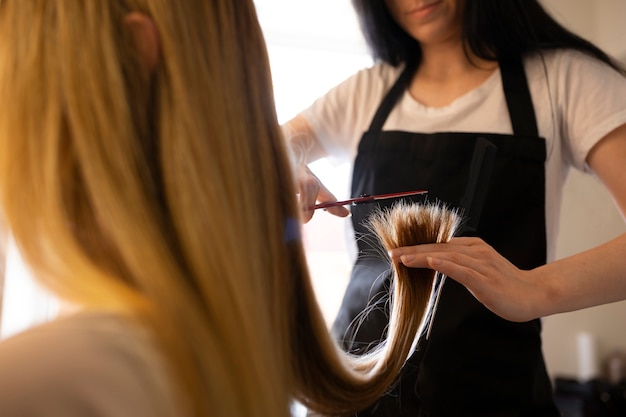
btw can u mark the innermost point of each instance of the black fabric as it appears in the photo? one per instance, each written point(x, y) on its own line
point(518, 99)
point(480, 172)
point(476, 364)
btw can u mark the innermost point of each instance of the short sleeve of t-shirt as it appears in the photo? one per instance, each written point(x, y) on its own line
point(340, 117)
point(589, 100)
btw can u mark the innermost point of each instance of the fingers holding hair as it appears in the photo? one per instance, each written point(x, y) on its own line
point(491, 278)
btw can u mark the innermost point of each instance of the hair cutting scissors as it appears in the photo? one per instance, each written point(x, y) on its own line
point(366, 199)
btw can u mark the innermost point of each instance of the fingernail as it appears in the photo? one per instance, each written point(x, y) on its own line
point(407, 258)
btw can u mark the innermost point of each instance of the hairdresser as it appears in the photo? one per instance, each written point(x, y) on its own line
point(451, 76)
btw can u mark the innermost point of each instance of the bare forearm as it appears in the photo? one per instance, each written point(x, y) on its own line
point(593, 277)
point(590, 278)
point(302, 141)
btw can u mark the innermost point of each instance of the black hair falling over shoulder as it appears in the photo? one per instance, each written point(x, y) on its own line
point(495, 29)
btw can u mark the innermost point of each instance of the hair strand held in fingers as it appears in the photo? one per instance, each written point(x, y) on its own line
point(408, 224)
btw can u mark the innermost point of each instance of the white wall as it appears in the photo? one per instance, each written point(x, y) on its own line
point(589, 216)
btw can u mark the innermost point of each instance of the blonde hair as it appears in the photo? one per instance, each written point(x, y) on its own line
point(170, 199)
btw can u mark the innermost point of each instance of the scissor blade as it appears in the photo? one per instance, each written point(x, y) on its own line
point(366, 199)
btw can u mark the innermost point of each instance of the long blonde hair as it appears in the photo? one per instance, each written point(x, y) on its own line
point(170, 198)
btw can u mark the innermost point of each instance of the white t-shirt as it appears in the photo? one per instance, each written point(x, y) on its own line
point(88, 364)
point(577, 101)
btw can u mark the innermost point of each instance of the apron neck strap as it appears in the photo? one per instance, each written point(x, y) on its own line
point(392, 96)
point(518, 99)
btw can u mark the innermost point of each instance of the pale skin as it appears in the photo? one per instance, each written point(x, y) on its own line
point(146, 37)
point(594, 277)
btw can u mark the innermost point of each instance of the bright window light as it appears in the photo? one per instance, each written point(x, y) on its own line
point(25, 303)
point(313, 46)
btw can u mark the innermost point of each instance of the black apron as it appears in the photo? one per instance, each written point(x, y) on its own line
point(477, 364)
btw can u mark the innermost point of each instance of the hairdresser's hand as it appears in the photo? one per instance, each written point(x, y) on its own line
point(504, 289)
point(311, 191)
